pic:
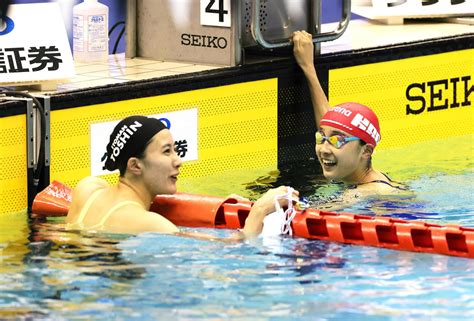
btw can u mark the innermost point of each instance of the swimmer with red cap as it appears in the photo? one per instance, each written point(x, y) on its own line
point(346, 134)
point(142, 149)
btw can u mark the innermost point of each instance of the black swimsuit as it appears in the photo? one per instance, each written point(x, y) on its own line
point(399, 186)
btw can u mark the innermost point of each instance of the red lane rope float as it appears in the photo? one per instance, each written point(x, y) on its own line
point(54, 200)
point(194, 210)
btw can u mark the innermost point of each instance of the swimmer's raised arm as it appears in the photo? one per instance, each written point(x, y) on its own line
point(303, 51)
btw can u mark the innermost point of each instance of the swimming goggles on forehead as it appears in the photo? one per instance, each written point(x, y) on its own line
point(335, 140)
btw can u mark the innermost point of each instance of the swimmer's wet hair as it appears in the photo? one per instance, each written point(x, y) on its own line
point(129, 139)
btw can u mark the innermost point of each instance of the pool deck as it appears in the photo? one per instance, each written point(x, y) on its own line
point(359, 35)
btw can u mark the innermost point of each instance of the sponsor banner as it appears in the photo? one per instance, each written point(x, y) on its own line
point(416, 99)
point(217, 130)
point(395, 11)
point(182, 124)
point(31, 54)
point(13, 165)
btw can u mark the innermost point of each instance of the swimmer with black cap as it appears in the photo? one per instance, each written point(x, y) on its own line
point(142, 149)
point(346, 135)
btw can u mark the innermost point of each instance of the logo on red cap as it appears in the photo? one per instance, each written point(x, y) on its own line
point(355, 119)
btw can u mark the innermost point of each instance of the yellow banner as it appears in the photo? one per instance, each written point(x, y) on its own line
point(13, 181)
point(237, 129)
point(416, 99)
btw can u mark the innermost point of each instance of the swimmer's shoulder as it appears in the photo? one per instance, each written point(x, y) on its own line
point(89, 185)
point(83, 190)
point(132, 218)
point(382, 185)
point(377, 188)
point(92, 181)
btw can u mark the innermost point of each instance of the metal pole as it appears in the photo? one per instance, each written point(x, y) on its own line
point(315, 23)
point(131, 29)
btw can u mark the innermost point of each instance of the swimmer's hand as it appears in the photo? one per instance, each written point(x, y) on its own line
point(267, 201)
point(237, 197)
point(303, 49)
point(264, 206)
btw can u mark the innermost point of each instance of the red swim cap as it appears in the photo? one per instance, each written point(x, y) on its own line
point(355, 119)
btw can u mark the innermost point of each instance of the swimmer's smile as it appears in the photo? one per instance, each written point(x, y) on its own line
point(327, 163)
point(174, 177)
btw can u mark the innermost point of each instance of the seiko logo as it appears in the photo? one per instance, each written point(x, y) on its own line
point(203, 41)
point(439, 94)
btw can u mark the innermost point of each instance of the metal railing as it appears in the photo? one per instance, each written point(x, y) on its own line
point(318, 37)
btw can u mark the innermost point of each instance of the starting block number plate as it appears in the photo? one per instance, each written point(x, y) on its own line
point(215, 13)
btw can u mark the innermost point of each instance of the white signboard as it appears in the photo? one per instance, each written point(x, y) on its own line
point(34, 45)
point(182, 124)
point(395, 11)
point(215, 13)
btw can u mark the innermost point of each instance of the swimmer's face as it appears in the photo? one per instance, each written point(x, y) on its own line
point(161, 164)
point(345, 164)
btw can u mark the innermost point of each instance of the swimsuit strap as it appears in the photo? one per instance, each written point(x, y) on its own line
point(389, 183)
point(379, 181)
point(386, 176)
point(111, 211)
point(86, 207)
point(399, 185)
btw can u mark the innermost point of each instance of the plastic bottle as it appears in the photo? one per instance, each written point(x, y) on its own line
point(90, 31)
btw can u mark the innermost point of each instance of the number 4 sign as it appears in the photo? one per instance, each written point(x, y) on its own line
point(215, 13)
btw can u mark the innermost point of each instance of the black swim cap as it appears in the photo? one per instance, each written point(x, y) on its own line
point(129, 139)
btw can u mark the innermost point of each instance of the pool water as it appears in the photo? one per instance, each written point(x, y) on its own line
point(47, 272)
